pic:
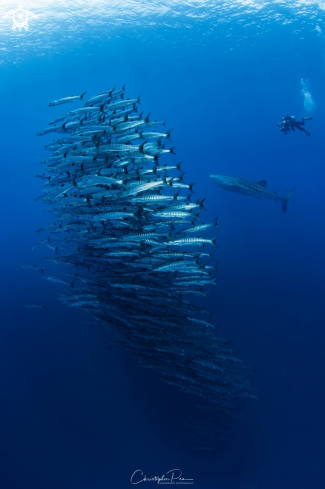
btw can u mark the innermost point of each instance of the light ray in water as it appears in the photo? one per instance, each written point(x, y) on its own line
point(309, 103)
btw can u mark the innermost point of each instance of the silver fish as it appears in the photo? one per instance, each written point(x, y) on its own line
point(118, 223)
point(66, 100)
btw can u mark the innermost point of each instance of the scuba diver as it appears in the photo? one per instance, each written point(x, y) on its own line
point(289, 122)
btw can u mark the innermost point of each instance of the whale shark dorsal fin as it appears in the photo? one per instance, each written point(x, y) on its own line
point(262, 182)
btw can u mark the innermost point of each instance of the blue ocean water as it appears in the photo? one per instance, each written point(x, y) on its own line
point(77, 414)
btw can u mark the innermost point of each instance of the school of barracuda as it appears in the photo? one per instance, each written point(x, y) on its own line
point(130, 227)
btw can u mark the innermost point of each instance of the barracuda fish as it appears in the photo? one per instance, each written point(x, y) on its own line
point(124, 103)
point(156, 135)
point(196, 229)
point(118, 221)
point(48, 130)
point(175, 214)
point(129, 125)
point(42, 176)
point(34, 268)
point(66, 100)
point(59, 119)
point(204, 323)
point(187, 206)
point(137, 189)
point(154, 198)
point(168, 168)
point(57, 280)
point(115, 215)
point(198, 282)
point(255, 189)
point(179, 265)
point(105, 95)
point(84, 110)
point(128, 138)
point(192, 241)
point(99, 180)
point(146, 236)
point(121, 148)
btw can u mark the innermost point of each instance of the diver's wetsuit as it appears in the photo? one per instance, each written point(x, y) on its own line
point(289, 122)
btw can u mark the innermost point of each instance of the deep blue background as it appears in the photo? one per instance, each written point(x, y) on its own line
point(74, 416)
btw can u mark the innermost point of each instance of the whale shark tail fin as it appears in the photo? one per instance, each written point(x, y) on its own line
point(285, 199)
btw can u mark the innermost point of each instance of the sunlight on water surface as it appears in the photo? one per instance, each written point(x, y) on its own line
point(47, 17)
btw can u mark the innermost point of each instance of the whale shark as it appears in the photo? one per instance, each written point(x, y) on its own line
point(255, 189)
